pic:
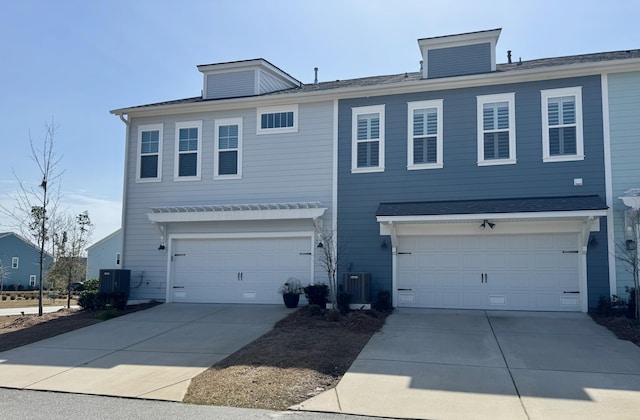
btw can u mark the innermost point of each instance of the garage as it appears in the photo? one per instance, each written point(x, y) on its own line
point(497, 254)
point(237, 270)
point(517, 272)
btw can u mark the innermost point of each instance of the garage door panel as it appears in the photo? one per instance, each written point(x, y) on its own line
point(529, 272)
point(237, 270)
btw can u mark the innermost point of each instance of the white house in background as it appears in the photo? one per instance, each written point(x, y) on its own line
point(104, 254)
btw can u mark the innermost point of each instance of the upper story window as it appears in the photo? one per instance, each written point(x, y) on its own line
point(32, 280)
point(496, 129)
point(562, 124)
point(424, 149)
point(228, 148)
point(367, 149)
point(117, 259)
point(188, 150)
point(278, 119)
point(149, 153)
point(14, 262)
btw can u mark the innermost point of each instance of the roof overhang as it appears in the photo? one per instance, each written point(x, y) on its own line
point(237, 212)
point(524, 216)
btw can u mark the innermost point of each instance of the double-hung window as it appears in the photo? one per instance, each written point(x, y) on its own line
point(149, 153)
point(424, 148)
point(562, 124)
point(15, 262)
point(367, 149)
point(188, 150)
point(496, 129)
point(228, 148)
point(278, 119)
point(32, 280)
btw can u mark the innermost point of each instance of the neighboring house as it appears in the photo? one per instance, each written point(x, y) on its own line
point(104, 254)
point(624, 128)
point(224, 193)
point(21, 258)
point(468, 184)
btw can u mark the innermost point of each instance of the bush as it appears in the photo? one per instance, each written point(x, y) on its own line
point(611, 306)
point(314, 310)
point(344, 300)
point(119, 300)
point(383, 302)
point(11, 288)
point(95, 301)
point(20, 288)
point(333, 315)
point(102, 300)
point(87, 301)
point(108, 313)
point(4, 297)
point(631, 304)
point(91, 285)
point(316, 294)
point(12, 297)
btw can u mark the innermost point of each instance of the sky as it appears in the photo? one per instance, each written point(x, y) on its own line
point(72, 61)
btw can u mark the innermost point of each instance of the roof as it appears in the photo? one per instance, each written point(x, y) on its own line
point(416, 77)
point(488, 206)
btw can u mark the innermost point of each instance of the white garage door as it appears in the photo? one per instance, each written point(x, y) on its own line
point(517, 272)
point(237, 270)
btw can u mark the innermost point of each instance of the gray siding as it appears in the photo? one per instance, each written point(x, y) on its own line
point(461, 178)
point(292, 167)
point(270, 83)
point(102, 254)
point(28, 263)
point(624, 123)
point(230, 85)
point(458, 61)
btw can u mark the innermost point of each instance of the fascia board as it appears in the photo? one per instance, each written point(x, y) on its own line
point(212, 216)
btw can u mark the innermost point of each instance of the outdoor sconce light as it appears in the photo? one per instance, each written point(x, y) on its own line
point(630, 244)
point(161, 247)
point(486, 223)
point(320, 245)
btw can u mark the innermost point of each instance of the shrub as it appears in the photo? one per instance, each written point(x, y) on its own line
point(316, 294)
point(87, 301)
point(383, 302)
point(611, 306)
point(631, 305)
point(11, 288)
point(314, 310)
point(102, 300)
point(20, 288)
point(333, 315)
point(108, 313)
point(12, 297)
point(91, 285)
point(119, 300)
point(344, 300)
point(4, 297)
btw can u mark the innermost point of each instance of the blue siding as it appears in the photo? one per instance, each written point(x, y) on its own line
point(28, 263)
point(230, 85)
point(624, 123)
point(461, 178)
point(458, 61)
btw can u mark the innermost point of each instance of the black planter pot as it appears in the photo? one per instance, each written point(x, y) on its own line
point(291, 299)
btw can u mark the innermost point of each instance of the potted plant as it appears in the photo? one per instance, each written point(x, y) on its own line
point(290, 292)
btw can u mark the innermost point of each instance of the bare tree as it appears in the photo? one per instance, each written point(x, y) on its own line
point(330, 258)
point(36, 205)
point(4, 276)
point(627, 252)
point(70, 240)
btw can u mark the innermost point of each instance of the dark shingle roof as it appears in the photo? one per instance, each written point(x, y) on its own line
point(500, 205)
point(417, 76)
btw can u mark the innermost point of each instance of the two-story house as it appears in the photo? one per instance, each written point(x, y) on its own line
point(21, 261)
point(467, 184)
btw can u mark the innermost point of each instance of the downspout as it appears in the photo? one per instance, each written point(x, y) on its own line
point(124, 187)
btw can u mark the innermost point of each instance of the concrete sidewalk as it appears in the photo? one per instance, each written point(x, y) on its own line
point(445, 364)
point(150, 354)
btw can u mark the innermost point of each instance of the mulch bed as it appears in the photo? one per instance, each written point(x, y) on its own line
point(624, 328)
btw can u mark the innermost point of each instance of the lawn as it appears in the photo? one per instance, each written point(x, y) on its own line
point(30, 299)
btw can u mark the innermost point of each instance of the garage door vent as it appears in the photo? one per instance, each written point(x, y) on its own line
point(357, 284)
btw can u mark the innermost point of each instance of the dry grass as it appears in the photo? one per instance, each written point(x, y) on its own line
point(301, 357)
point(30, 299)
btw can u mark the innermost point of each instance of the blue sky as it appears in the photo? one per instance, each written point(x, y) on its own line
point(74, 60)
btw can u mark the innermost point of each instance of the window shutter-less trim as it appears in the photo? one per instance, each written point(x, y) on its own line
point(424, 142)
point(367, 139)
point(562, 124)
point(496, 129)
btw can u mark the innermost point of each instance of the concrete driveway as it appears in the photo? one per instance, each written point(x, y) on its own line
point(444, 364)
point(149, 354)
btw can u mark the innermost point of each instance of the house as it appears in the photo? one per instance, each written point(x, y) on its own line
point(104, 254)
point(467, 184)
point(21, 261)
point(226, 193)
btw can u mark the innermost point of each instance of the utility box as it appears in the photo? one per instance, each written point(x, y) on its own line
point(357, 284)
point(115, 280)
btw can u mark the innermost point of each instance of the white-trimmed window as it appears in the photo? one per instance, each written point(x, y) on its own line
point(424, 148)
point(149, 166)
point(277, 119)
point(367, 149)
point(188, 147)
point(15, 261)
point(562, 124)
point(32, 280)
point(496, 129)
point(117, 259)
point(228, 149)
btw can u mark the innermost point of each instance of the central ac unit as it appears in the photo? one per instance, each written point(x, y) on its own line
point(357, 284)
